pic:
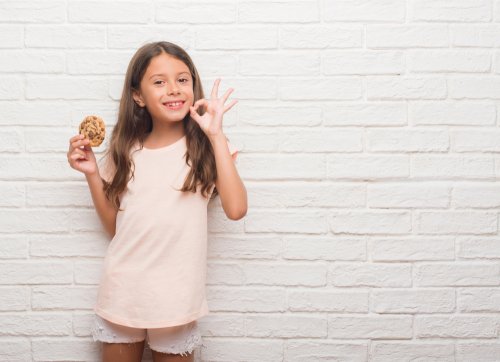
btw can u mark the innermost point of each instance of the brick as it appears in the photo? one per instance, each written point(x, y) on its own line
point(398, 351)
point(340, 88)
point(134, 36)
point(449, 113)
point(64, 87)
point(344, 274)
point(260, 115)
point(33, 11)
point(368, 167)
point(278, 326)
point(335, 301)
point(108, 12)
point(195, 12)
point(452, 166)
point(483, 351)
point(13, 247)
point(297, 274)
point(35, 272)
point(460, 326)
point(448, 61)
point(369, 222)
point(407, 87)
point(68, 349)
point(478, 300)
point(475, 35)
point(263, 300)
point(407, 140)
point(65, 36)
point(310, 350)
point(11, 87)
point(13, 195)
point(78, 245)
point(474, 247)
point(62, 298)
point(369, 326)
point(456, 274)
point(296, 63)
point(11, 36)
point(408, 195)
point(378, 10)
point(14, 299)
point(278, 12)
point(460, 11)
point(410, 301)
point(407, 36)
point(362, 62)
point(286, 222)
point(320, 36)
point(324, 248)
point(456, 222)
point(411, 248)
point(366, 114)
point(240, 37)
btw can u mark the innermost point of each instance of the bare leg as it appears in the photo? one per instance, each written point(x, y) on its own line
point(167, 357)
point(122, 352)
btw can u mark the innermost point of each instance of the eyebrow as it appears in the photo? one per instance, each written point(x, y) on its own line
point(164, 74)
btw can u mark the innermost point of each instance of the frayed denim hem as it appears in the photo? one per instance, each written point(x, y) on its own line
point(185, 348)
point(99, 335)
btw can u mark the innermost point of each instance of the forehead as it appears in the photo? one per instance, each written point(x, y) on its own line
point(166, 64)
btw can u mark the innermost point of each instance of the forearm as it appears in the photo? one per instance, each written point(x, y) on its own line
point(105, 209)
point(229, 185)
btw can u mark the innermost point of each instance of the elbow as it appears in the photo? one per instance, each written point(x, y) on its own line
point(237, 214)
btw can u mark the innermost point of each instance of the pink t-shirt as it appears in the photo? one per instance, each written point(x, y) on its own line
point(154, 271)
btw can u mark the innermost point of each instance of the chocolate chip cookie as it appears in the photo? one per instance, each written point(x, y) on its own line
point(93, 128)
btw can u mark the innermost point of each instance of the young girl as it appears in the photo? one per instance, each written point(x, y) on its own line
point(167, 157)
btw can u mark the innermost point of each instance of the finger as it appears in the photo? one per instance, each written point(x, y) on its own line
point(230, 105)
point(199, 102)
point(75, 157)
point(77, 137)
point(80, 152)
point(226, 95)
point(194, 114)
point(79, 143)
point(215, 89)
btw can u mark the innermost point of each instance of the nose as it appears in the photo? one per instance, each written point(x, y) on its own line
point(173, 89)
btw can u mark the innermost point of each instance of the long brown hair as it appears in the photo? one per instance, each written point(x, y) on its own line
point(134, 123)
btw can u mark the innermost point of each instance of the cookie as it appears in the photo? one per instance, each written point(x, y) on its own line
point(93, 128)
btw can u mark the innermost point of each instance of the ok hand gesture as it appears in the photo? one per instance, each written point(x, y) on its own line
point(211, 121)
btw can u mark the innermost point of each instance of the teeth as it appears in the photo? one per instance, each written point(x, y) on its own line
point(174, 104)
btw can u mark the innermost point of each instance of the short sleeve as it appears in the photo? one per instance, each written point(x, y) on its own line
point(105, 167)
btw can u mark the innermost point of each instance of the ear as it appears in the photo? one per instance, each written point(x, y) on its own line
point(138, 98)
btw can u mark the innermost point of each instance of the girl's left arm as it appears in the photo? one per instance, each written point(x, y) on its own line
point(232, 192)
point(230, 187)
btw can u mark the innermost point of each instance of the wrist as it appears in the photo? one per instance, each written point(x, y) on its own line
point(217, 137)
point(92, 176)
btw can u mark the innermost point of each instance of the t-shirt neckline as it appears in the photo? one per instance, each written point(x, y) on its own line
point(165, 148)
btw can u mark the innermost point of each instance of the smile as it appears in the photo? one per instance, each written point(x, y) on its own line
point(174, 105)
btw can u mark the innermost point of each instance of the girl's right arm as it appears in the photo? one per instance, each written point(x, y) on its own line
point(83, 160)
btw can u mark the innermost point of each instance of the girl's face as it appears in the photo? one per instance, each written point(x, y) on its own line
point(166, 80)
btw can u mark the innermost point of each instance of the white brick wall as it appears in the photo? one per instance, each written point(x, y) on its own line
point(369, 133)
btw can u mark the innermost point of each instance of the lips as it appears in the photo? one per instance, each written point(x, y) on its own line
point(174, 105)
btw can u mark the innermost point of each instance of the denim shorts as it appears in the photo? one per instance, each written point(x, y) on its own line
point(182, 339)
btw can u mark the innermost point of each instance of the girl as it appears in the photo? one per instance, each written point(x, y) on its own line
point(167, 156)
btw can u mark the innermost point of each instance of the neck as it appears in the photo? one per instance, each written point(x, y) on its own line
point(164, 134)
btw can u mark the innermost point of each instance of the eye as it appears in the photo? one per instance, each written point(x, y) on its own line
point(186, 80)
point(158, 82)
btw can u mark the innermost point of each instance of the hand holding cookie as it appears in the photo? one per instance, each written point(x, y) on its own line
point(80, 154)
